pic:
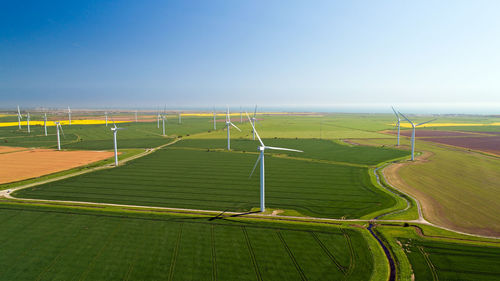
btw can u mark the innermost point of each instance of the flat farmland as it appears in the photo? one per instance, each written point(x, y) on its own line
point(100, 137)
point(42, 243)
point(432, 260)
point(490, 144)
point(24, 164)
point(216, 180)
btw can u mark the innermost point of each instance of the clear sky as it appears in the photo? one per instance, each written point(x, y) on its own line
point(273, 53)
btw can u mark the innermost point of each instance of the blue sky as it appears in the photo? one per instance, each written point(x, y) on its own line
point(275, 53)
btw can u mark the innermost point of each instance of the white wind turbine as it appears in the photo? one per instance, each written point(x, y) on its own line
point(262, 148)
point(28, 119)
point(136, 116)
point(58, 125)
point(180, 118)
point(19, 117)
point(106, 116)
point(158, 118)
point(413, 134)
point(163, 117)
point(228, 126)
point(215, 126)
point(45, 123)
point(399, 121)
point(69, 115)
point(253, 121)
point(115, 130)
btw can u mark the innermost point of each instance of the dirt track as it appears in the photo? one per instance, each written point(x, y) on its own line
point(20, 165)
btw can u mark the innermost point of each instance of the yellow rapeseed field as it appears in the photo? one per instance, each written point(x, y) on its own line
point(63, 122)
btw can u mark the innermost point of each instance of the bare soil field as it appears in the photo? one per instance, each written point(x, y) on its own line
point(433, 133)
point(33, 163)
point(485, 144)
point(9, 149)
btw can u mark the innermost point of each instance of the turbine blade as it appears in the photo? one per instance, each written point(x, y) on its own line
point(425, 122)
point(413, 125)
point(253, 127)
point(235, 126)
point(255, 112)
point(281, 148)
point(395, 112)
point(254, 166)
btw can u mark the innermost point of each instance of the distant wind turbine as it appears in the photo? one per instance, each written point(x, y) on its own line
point(215, 126)
point(45, 123)
point(413, 133)
point(19, 117)
point(397, 124)
point(58, 126)
point(69, 115)
point(115, 130)
point(253, 121)
point(136, 116)
point(28, 119)
point(106, 116)
point(262, 148)
point(228, 126)
point(180, 118)
point(158, 119)
point(163, 119)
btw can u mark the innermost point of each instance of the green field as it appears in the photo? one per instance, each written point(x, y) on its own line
point(40, 243)
point(100, 137)
point(441, 258)
point(217, 180)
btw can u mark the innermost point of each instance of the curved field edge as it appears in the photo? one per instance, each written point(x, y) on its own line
point(392, 233)
point(362, 244)
point(125, 154)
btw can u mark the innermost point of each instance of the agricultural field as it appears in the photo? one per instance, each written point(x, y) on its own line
point(422, 257)
point(100, 137)
point(31, 163)
point(183, 177)
point(42, 243)
point(463, 194)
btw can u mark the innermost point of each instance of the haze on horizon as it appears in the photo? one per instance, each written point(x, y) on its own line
point(424, 55)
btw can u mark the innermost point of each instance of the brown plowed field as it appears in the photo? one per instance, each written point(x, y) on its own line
point(485, 144)
point(21, 165)
point(432, 133)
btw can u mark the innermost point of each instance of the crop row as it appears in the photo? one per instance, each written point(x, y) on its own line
point(48, 243)
point(219, 181)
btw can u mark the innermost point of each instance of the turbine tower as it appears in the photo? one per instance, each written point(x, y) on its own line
point(45, 123)
point(253, 121)
point(398, 123)
point(136, 116)
point(163, 119)
point(215, 126)
point(58, 125)
point(28, 119)
point(413, 133)
point(115, 130)
point(106, 116)
point(228, 126)
point(19, 117)
point(180, 118)
point(262, 148)
point(69, 115)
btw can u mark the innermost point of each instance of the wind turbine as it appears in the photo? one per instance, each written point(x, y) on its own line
point(180, 118)
point(397, 124)
point(253, 121)
point(45, 123)
point(106, 115)
point(136, 116)
point(58, 125)
point(158, 119)
point(262, 148)
point(228, 126)
point(163, 119)
point(413, 133)
point(19, 117)
point(215, 126)
point(69, 115)
point(115, 130)
point(28, 119)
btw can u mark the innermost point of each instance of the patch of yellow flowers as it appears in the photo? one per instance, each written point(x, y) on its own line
point(63, 122)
